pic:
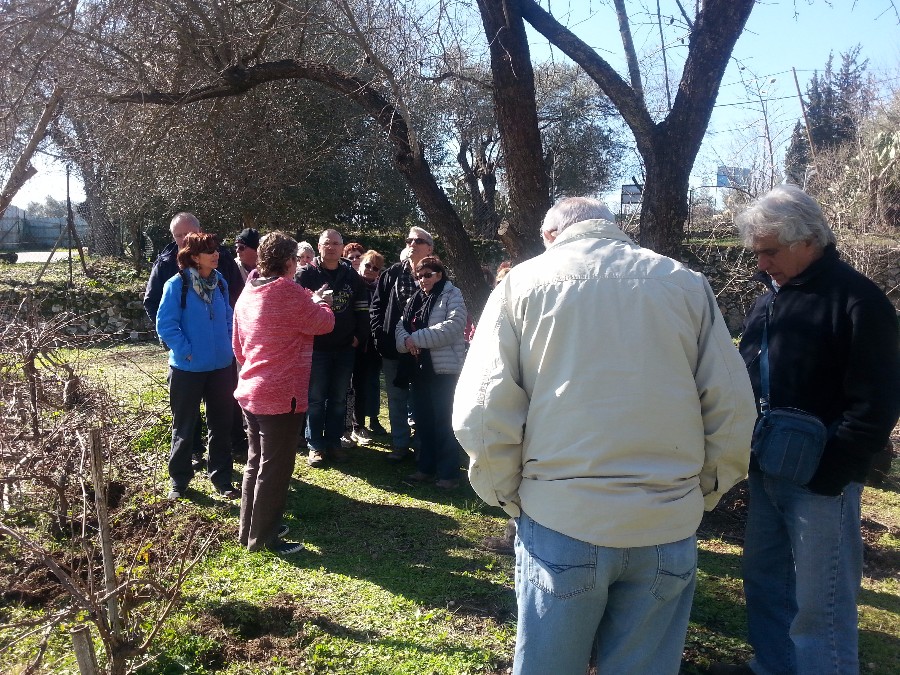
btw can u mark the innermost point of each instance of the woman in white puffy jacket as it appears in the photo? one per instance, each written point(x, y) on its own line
point(432, 333)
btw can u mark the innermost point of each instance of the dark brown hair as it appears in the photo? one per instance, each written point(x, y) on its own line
point(196, 243)
point(431, 262)
point(353, 246)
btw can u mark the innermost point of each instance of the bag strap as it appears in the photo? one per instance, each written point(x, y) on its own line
point(186, 283)
point(764, 405)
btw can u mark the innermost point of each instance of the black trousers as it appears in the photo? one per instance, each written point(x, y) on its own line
point(186, 391)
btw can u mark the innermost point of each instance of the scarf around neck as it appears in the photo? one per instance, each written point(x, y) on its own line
point(418, 309)
point(204, 287)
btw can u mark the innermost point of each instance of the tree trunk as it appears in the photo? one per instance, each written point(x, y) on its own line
point(664, 203)
point(517, 121)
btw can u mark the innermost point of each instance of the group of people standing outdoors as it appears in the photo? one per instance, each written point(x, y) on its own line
point(601, 402)
point(288, 347)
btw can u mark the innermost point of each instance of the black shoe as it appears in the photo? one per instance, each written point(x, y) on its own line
point(283, 529)
point(287, 548)
point(229, 492)
point(399, 454)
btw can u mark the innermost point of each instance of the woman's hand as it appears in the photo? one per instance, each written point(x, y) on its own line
point(411, 346)
point(323, 295)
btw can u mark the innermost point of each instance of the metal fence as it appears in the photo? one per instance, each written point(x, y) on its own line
point(20, 231)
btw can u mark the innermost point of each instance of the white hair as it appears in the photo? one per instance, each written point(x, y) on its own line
point(184, 215)
point(573, 210)
point(422, 233)
point(305, 246)
point(787, 212)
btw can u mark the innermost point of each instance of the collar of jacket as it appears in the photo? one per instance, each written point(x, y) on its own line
point(830, 257)
point(593, 229)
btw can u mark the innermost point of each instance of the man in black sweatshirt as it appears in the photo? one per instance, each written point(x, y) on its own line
point(334, 352)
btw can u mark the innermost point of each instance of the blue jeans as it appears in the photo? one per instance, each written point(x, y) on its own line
point(802, 571)
point(328, 383)
point(399, 402)
point(439, 452)
point(630, 604)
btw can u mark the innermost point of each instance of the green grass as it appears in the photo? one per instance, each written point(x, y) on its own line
point(392, 580)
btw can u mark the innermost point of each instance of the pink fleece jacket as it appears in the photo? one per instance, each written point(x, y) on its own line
point(274, 325)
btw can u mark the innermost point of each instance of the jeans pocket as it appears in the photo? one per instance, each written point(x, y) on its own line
point(556, 564)
point(677, 567)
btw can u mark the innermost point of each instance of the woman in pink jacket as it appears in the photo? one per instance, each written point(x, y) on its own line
point(275, 320)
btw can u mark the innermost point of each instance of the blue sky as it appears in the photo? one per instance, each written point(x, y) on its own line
point(775, 41)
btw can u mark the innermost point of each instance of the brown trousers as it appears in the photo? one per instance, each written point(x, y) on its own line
point(272, 441)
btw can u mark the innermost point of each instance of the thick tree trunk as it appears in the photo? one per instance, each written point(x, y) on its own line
point(664, 203)
point(516, 109)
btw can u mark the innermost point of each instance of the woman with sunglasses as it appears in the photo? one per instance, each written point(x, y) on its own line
point(194, 322)
point(367, 369)
point(432, 332)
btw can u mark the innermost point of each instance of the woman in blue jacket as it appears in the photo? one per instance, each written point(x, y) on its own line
point(194, 322)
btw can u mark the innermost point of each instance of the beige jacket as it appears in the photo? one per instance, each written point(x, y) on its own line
point(602, 393)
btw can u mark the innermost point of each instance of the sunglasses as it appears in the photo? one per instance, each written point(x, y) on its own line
point(426, 275)
point(370, 266)
point(415, 240)
point(354, 257)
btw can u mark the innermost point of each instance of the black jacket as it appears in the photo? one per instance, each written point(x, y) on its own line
point(387, 309)
point(166, 267)
point(833, 352)
point(350, 304)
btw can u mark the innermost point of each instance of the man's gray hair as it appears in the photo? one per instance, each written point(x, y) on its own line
point(330, 232)
point(422, 233)
point(184, 215)
point(573, 210)
point(787, 212)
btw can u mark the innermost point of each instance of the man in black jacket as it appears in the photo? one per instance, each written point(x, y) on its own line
point(832, 352)
point(333, 353)
point(166, 267)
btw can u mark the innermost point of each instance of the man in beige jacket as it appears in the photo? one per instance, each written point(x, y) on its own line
point(603, 406)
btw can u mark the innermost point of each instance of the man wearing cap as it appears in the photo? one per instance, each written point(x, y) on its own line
point(245, 244)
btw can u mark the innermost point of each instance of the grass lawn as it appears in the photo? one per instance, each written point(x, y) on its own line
point(392, 579)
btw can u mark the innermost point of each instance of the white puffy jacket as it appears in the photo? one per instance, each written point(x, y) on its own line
point(445, 333)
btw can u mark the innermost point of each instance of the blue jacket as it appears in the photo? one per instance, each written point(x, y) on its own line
point(201, 331)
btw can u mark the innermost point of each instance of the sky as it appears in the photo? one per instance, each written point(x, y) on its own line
point(780, 35)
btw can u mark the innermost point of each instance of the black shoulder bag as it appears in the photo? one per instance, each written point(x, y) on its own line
point(787, 442)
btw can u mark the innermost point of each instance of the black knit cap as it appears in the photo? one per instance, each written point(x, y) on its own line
point(249, 237)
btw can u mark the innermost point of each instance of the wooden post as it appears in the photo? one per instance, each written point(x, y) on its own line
point(109, 563)
point(84, 651)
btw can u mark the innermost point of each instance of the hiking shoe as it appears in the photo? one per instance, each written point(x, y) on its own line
point(315, 458)
point(339, 454)
point(498, 545)
point(229, 492)
point(360, 436)
point(283, 529)
point(376, 428)
point(420, 477)
point(347, 441)
point(287, 547)
point(398, 454)
point(447, 484)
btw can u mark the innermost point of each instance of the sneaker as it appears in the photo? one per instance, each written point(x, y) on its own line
point(360, 436)
point(447, 484)
point(376, 428)
point(347, 441)
point(315, 458)
point(176, 493)
point(398, 454)
point(283, 529)
point(287, 547)
point(229, 492)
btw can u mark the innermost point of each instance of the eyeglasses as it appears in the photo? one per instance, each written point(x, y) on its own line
point(370, 266)
point(426, 275)
point(415, 240)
